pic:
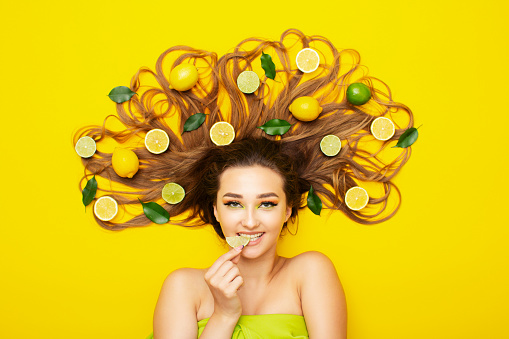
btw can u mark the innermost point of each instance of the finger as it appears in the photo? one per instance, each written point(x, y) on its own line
point(222, 259)
point(224, 269)
point(237, 283)
point(231, 274)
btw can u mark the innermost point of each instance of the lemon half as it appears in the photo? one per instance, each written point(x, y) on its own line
point(105, 208)
point(222, 133)
point(157, 141)
point(382, 128)
point(356, 198)
point(307, 60)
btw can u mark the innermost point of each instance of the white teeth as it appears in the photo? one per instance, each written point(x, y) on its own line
point(252, 236)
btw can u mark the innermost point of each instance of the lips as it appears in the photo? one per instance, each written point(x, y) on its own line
point(254, 237)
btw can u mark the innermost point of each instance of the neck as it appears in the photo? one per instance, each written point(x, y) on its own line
point(259, 270)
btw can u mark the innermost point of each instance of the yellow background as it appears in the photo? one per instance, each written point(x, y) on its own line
point(439, 269)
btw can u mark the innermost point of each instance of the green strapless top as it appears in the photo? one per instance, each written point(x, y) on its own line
point(266, 326)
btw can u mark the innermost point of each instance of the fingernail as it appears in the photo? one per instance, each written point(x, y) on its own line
point(239, 248)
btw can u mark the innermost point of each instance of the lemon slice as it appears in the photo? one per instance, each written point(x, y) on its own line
point(173, 193)
point(307, 60)
point(105, 208)
point(356, 198)
point(382, 128)
point(85, 147)
point(237, 241)
point(248, 82)
point(222, 133)
point(330, 145)
point(157, 141)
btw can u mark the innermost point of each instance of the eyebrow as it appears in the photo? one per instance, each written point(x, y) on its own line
point(259, 196)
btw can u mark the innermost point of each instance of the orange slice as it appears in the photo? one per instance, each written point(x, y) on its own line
point(356, 198)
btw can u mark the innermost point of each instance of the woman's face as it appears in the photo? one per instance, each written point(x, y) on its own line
point(251, 201)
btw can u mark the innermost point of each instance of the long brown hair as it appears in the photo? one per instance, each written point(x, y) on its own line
point(361, 159)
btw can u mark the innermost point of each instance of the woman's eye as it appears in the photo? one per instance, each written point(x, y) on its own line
point(267, 204)
point(233, 204)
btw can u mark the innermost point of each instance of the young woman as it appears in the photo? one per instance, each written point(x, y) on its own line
point(252, 292)
point(256, 184)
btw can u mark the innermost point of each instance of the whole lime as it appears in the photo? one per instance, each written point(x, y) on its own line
point(358, 93)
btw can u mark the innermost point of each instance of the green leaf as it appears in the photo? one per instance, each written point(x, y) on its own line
point(314, 202)
point(155, 212)
point(407, 138)
point(194, 121)
point(89, 191)
point(268, 66)
point(276, 127)
point(120, 94)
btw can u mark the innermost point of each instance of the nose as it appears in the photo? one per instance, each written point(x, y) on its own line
point(250, 220)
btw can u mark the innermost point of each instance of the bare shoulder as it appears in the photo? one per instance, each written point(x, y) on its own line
point(175, 313)
point(184, 276)
point(184, 282)
point(313, 260)
point(321, 293)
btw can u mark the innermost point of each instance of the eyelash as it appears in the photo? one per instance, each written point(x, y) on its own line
point(264, 204)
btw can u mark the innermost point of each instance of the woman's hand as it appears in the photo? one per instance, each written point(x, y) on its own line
point(224, 280)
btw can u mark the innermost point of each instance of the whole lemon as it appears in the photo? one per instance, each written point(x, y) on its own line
point(305, 108)
point(183, 77)
point(125, 162)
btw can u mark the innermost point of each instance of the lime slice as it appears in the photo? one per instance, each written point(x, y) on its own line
point(85, 147)
point(382, 128)
point(105, 208)
point(330, 145)
point(157, 141)
point(222, 133)
point(248, 82)
point(307, 60)
point(237, 241)
point(358, 93)
point(356, 198)
point(173, 193)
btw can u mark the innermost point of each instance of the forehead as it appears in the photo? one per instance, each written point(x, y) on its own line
point(250, 179)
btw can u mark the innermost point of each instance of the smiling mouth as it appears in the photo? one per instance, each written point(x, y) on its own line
point(252, 237)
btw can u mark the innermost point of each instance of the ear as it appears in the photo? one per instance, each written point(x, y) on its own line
point(215, 212)
point(288, 213)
